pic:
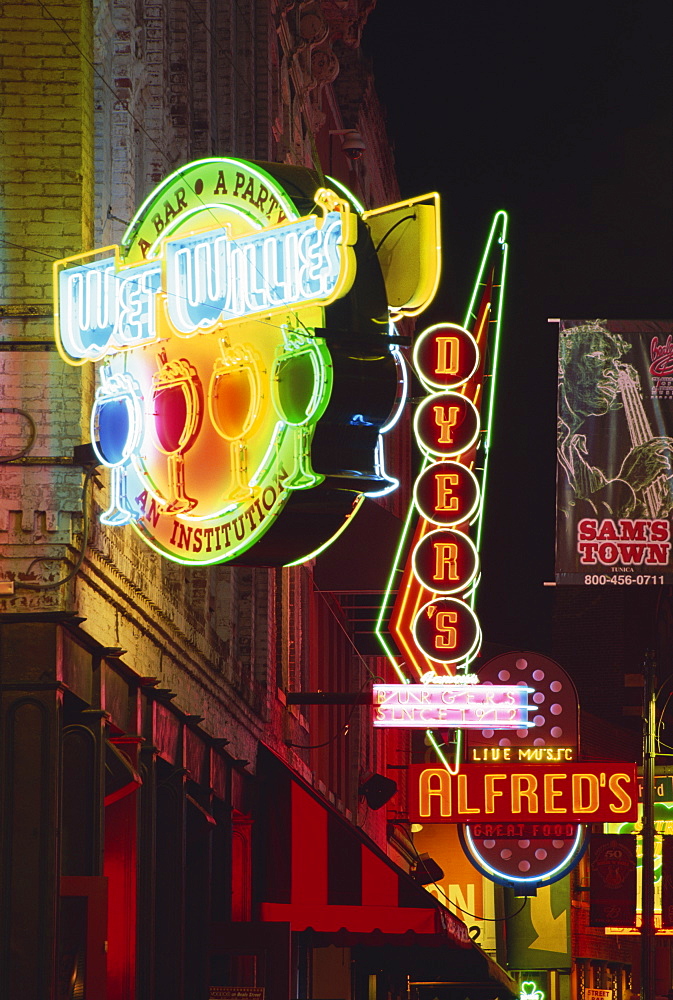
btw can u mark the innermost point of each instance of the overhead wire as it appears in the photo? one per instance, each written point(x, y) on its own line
point(134, 118)
point(375, 677)
point(495, 920)
point(31, 434)
point(89, 62)
point(223, 51)
point(458, 906)
point(392, 229)
point(343, 730)
point(19, 246)
point(124, 104)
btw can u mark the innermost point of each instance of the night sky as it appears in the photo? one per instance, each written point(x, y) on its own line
point(563, 117)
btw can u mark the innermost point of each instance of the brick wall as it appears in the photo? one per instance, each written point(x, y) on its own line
point(46, 170)
point(81, 149)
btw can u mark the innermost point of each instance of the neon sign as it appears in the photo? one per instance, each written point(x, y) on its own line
point(445, 561)
point(663, 824)
point(446, 424)
point(446, 493)
point(224, 375)
point(527, 853)
point(548, 860)
point(204, 281)
point(433, 625)
point(529, 991)
point(547, 755)
point(576, 793)
point(426, 706)
point(444, 630)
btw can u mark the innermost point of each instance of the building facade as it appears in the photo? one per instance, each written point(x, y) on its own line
point(173, 822)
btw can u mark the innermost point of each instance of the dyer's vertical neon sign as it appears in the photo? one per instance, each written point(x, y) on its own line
point(445, 562)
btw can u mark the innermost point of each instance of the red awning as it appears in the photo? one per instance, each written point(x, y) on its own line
point(337, 880)
point(318, 875)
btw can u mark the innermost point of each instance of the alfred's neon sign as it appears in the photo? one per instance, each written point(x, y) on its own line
point(578, 793)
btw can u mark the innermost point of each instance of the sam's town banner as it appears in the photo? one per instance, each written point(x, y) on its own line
point(248, 366)
point(615, 453)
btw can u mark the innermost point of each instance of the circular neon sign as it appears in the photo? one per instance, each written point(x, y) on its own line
point(446, 424)
point(527, 854)
point(447, 630)
point(445, 561)
point(447, 493)
point(218, 361)
point(445, 356)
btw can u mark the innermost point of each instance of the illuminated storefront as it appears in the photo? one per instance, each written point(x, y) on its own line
point(217, 404)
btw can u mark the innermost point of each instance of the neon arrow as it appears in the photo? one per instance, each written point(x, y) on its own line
point(550, 930)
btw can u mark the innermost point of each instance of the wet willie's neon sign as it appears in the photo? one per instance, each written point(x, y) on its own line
point(206, 280)
point(216, 361)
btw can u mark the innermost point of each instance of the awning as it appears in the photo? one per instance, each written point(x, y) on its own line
point(323, 874)
point(331, 883)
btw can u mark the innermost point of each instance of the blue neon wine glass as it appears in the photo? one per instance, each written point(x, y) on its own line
point(116, 431)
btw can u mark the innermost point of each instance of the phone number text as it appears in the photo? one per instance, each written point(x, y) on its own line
point(623, 580)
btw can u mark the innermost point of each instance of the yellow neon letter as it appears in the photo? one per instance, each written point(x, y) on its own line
point(524, 786)
point(551, 793)
point(490, 791)
point(579, 806)
point(444, 622)
point(434, 782)
point(625, 800)
point(450, 345)
point(446, 555)
point(446, 423)
point(463, 807)
point(444, 491)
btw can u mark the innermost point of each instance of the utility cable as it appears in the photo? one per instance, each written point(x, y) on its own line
point(392, 230)
point(19, 246)
point(493, 920)
point(141, 127)
point(223, 51)
point(126, 108)
point(457, 905)
point(343, 730)
point(375, 677)
point(206, 305)
point(31, 434)
point(89, 62)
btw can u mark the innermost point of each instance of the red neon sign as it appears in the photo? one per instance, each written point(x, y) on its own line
point(446, 356)
point(445, 561)
point(446, 630)
point(447, 424)
point(510, 793)
point(446, 493)
point(467, 706)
